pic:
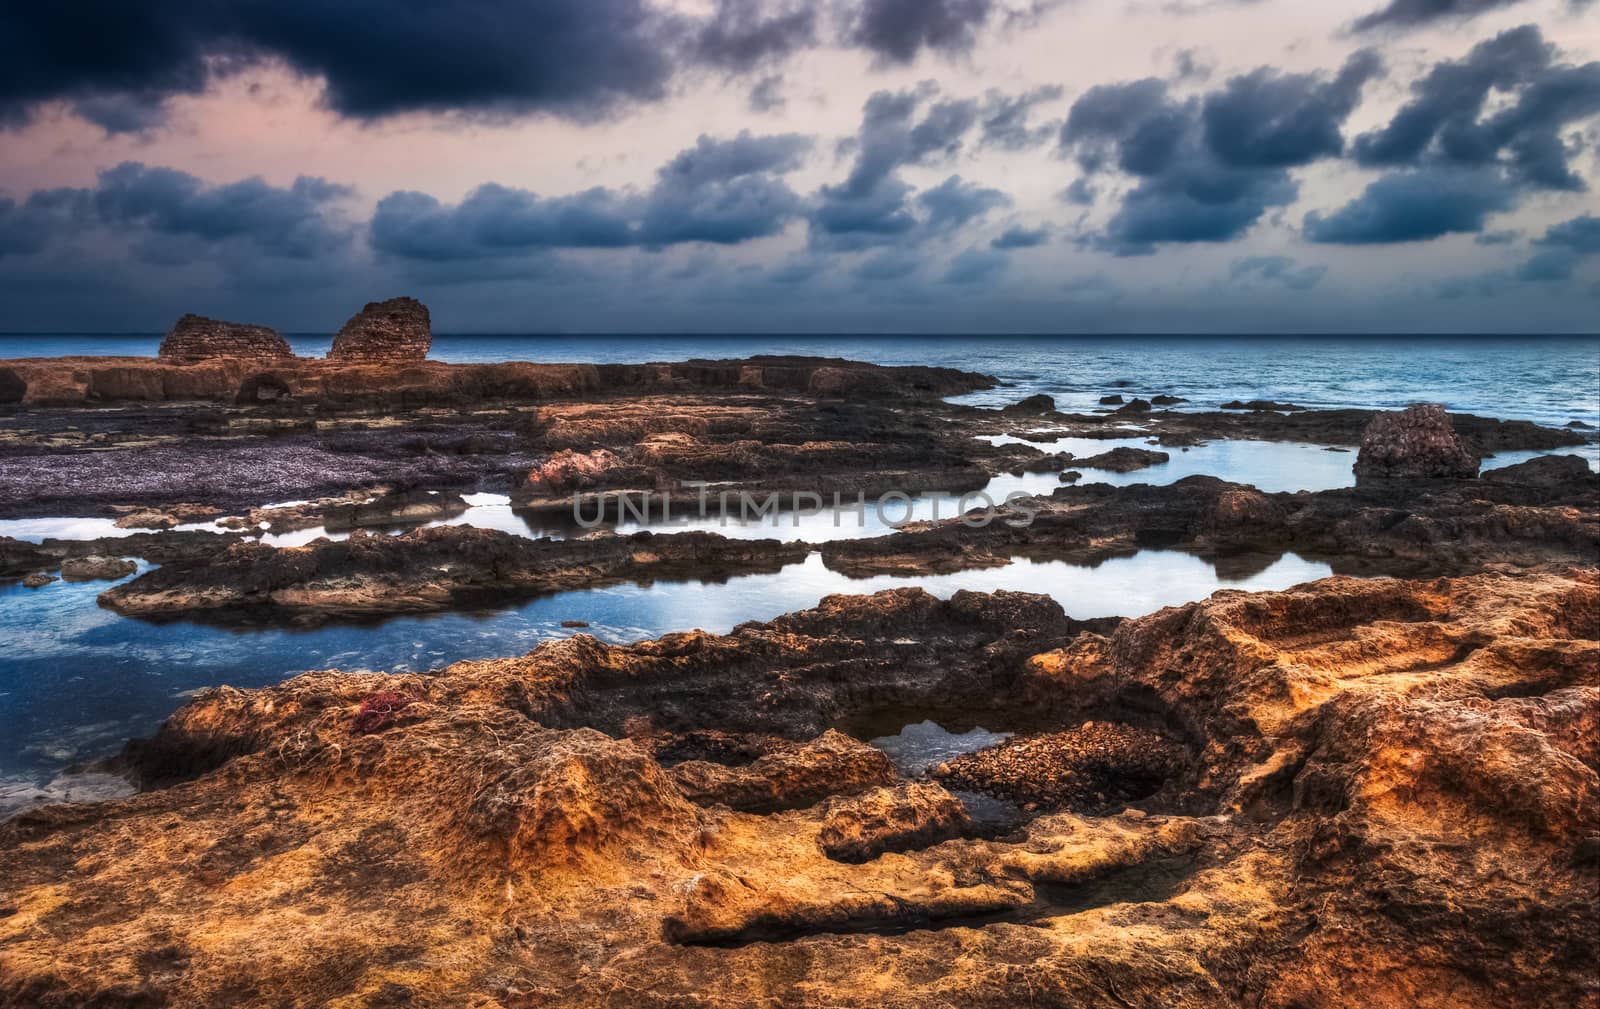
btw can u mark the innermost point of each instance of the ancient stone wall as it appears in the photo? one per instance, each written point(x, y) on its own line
point(395, 330)
point(196, 338)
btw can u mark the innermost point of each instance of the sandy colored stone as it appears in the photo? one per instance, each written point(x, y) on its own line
point(196, 338)
point(395, 330)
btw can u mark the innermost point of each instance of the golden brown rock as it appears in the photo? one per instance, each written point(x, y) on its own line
point(788, 777)
point(915, 815)
point(196, 338)
point(395, 330)
point(1390, 799)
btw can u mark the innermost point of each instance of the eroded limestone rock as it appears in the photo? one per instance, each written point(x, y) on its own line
point(1418, 441)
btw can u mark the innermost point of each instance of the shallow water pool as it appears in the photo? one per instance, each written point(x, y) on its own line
point(76, 679)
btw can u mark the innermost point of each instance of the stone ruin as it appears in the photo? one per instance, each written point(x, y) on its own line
point(393, 330)
point(196, 338)
point(1417, 442)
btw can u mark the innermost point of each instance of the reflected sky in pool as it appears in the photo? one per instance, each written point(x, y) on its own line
point(1270, 466)
point(75, 679)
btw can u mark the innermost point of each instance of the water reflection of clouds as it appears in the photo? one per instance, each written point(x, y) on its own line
point(1270, 466)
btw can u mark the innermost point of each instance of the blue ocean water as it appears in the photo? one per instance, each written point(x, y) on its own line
point(76, 679)
point(1551, 380)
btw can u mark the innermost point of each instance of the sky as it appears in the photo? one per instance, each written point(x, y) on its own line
point(832, 166)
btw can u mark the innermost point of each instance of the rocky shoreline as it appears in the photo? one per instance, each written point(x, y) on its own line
point(1387, 784)
point(1371, 782)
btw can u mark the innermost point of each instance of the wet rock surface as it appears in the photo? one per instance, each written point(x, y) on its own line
point(1121, 459)
point(1418, 442)
point(1544, 514)
point(428, 569)
point(1382, 780)
point(96, 568)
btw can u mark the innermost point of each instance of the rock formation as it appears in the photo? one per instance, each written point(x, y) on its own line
point(1418, 441)
point(1386, 791)
point(94, 568)
point(859, 828)
point(196, 338)
point(394, 330)
point(1122, 459)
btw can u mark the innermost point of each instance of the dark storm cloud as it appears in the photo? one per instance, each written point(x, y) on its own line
point(955, 202)
point(1414, 206)
point(890, 264)
point(1207, 168)
point(292, 222)
point(1498, 237)
point(891, 134)
point(719, 192)
point(1006, 117)
point(495, 220)
point(1020, 238)
point(1268, 119)
point(743, 34)
point(873, 205)
point(27, 227)
point(167, 218)
point(1081, 192)
point(122, 113)
point(116, 63)
point(724, 192)
point(572, 57)
point(897, 30)
point(1444, 121)
point(1562, 248)
point(1282, 269)
point(140, 52)
point(975, 265)
point(845, 217)
point(1415, 13)
point(767, 95)
point(1460, 160)
point(712, 161)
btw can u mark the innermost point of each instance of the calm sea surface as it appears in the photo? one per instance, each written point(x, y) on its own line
point(1552, 380)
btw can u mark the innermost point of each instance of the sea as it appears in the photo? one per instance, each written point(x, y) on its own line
point(1548, 379)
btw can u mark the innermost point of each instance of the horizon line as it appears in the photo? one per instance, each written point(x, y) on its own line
point(896, 334)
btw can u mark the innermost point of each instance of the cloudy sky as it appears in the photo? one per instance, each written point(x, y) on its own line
point(793, 166)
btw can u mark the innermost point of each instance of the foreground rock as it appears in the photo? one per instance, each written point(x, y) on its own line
point(1417, 442)
point(1088, 767)
point(787, 777)
point(1382, 781)
point(918, 815)
point(196, 338)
